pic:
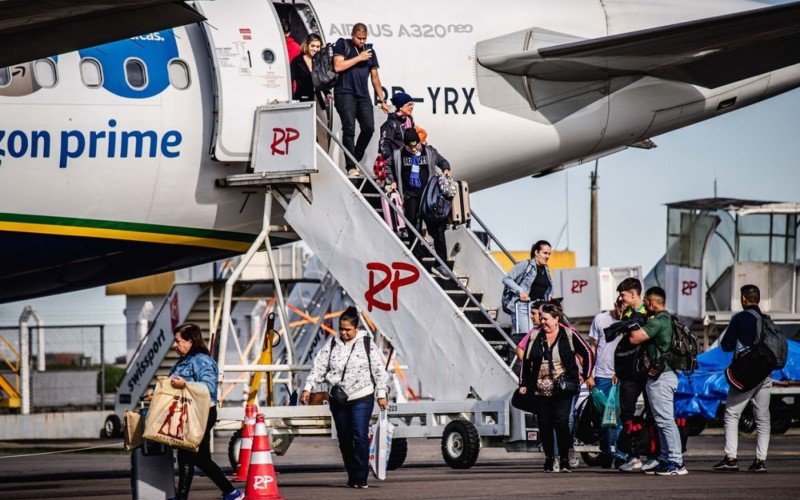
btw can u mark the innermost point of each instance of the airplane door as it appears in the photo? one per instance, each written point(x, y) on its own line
point(248, 52)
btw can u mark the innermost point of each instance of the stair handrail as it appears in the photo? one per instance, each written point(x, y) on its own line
point(494, 238)
point(418, 237)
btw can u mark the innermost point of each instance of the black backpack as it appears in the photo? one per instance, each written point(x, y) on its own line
point(682, 352)
point(322, 74)
point(434, 206)
point(770, 344)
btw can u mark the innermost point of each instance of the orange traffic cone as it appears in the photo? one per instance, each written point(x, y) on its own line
point(248, 431)
point(261, 481)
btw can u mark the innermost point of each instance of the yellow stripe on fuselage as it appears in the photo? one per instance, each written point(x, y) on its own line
point(119, 234)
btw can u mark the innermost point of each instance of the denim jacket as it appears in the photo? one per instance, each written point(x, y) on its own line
point(510, 283)
point(198, 367)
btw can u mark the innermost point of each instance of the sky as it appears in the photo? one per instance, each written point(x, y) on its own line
point(753, 153)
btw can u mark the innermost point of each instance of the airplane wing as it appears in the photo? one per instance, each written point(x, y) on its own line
point(707, 52)
point(34, 29)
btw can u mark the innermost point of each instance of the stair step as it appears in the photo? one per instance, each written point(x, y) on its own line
point(475, 315)
point(448, 284)
point(459, 297)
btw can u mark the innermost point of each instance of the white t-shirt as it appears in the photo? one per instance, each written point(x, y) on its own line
point(604, 364)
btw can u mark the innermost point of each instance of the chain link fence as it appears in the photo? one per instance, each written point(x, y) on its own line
point(80, 366)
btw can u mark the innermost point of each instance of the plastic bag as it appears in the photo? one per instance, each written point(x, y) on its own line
point(611, 411)
point(177, 417)
point(380, 445)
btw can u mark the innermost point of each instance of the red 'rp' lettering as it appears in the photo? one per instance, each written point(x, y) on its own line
point(283, 136)
point(393, 277)
point(578, 285)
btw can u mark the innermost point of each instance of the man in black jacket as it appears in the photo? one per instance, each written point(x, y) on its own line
point(741, 334)
point(408, 170)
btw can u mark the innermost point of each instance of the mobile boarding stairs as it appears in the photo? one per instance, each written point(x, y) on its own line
point(446, 330)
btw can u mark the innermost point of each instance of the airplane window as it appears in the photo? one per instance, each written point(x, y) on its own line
point(179, 74)
point(91, 73)
point(136, 73)
point(46, 73)
point(5, 77)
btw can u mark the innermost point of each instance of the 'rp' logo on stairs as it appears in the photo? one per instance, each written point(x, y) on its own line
point(393, 278)
point(281, 137)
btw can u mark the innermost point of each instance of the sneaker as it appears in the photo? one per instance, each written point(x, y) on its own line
point(548, 465)
point(670, 469)
point(758, 466)
point(353, 172)
point(573, 460)
point(438, 272)
point(618, 462)
point(362, 486)
point(565, 465)
point(556, 466)
point(727, 465)
point(234, 495)
point(649, 466)
point(632, 465)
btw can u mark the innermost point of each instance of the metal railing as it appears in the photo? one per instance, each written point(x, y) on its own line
point(494, 238)
point(418, 238)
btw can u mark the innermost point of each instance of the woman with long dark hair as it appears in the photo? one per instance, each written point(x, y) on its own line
point(528, 280)
point(551, 370)
point(352, 363)
point(196, 365)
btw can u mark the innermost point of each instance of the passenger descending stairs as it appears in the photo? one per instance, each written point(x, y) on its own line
point(199, 315)
point(440, 326)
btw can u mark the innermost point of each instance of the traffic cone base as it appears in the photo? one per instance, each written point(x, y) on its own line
point(261, 481)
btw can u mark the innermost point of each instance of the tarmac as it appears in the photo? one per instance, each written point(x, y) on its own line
point(311, 469)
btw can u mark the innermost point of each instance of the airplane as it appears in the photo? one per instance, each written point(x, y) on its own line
point(117, 117)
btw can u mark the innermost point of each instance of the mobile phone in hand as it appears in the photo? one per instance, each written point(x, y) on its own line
point(368, 46)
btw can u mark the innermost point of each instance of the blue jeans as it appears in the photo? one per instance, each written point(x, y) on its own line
point(352, 108)
point(352, 427)
point(609, 435)
point(661, 393)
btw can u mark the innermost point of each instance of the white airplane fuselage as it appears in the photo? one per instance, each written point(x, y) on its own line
point(104, 178)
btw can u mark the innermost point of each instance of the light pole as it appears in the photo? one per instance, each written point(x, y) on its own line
point(593, 217)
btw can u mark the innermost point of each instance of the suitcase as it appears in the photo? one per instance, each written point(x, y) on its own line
point(152, 470)
point(460, 211)
point(394, 221)
point(522, 321)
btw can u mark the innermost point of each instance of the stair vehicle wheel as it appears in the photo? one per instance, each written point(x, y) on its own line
point(234, 445)
point(747, 422)
point(398, 453)
point(460, 444)
point(695, 425)
point(112, 428)
point(592, 458)
point(780, 420)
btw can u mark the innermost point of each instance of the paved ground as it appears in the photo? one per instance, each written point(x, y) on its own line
point(311, 470)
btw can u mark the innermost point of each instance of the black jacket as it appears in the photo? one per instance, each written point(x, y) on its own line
point(535, 357)
point(395, 162)
point(392, 135)
point(302, 84)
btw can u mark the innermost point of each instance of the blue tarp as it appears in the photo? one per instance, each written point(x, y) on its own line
point(702, 392)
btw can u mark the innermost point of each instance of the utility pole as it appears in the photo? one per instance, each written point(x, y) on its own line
point(593, 217)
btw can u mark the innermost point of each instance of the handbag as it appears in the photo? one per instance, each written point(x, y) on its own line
point(562, 384)
point(508, 294)
point(524, 402)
